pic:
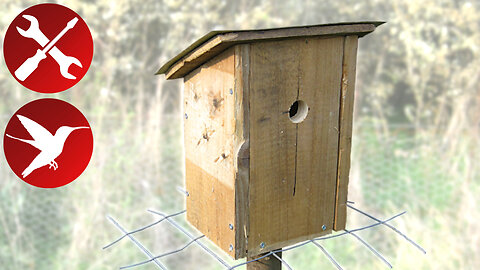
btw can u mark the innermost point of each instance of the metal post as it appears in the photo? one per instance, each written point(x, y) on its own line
point(268, 263)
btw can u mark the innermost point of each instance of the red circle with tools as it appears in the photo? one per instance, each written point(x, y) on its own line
point(48, 143)
point(48, 48)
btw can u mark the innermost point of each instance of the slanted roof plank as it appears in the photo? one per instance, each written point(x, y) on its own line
point(215, 42)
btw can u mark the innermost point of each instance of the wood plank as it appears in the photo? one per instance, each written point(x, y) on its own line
point(318, 134)
point(272, 141)
point(285, 156)
point(217, 41)
point(199, 56)
point(209, 130)
point(345, 136)
point(242, 146)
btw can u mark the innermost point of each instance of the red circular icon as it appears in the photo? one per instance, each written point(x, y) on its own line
point(48, 143)
point(48, 48)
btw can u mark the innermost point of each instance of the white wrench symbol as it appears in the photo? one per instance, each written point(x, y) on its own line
point(36, 34)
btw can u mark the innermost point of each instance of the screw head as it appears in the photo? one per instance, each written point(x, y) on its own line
point(230, 226)
point(186, 116)
point(231, 91)
point(324, 227)
point(262, 245)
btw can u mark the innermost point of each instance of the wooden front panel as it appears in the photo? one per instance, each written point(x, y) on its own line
point(293, 167)
point(209, 149)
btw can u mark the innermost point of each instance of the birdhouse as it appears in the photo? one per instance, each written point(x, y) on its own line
point(268, 130)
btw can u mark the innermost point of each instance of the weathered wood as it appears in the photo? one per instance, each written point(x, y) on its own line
point(242, 147)
point(260, 178)
point(293, 166)
point(345, 136)
point(268, 263)
point(209, 150)
point(215, 42)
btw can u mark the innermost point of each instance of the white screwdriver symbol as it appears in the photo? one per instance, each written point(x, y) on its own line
point(32, 63)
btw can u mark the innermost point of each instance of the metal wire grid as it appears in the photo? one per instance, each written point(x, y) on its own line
point(196, 240)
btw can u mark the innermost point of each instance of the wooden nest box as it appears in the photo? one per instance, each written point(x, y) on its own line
point(268, 124)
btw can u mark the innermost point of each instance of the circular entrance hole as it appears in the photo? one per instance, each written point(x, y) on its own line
point(298, 111)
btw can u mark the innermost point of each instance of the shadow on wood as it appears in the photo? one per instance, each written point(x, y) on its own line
point(267, 263)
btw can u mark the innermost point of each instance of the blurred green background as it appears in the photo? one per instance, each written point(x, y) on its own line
point(415, 141)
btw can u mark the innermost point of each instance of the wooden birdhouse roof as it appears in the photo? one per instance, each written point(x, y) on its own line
point(215, 42)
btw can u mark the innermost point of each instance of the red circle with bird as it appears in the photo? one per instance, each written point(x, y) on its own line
point(48, 143)
point(48, 48)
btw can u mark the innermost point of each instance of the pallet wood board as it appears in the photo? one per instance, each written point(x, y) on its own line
point(293, 167)
point(242, 147)
point(209, 149)
point(215, 42)
point(345, 123)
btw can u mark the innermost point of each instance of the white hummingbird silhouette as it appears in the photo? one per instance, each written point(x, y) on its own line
point(51, 146)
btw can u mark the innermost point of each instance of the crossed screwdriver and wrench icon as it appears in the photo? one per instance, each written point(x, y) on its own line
point(48, 46)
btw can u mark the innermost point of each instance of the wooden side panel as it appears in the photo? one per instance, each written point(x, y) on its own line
point(293, 167)
point(345, 137)
point(209, 149)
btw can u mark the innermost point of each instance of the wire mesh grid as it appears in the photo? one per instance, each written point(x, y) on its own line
point(29, 220)
point(197, 240)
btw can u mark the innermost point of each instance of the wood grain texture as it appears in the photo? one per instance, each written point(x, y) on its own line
point(285, 156)
point(345, 136)
point(242, 146)
point(217, 41)
point(247, 165)
point(209, 130)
